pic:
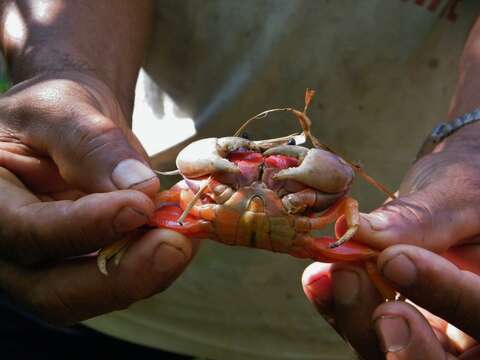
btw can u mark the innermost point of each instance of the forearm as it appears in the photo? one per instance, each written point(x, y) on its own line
point(467, 93)
point(466, 97)
point(105, 39)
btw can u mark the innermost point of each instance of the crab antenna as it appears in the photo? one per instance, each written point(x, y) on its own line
point(261, 115)
point(305, 122)
point(306, 125)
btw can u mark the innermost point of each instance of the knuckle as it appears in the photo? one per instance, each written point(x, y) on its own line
point(417, 213)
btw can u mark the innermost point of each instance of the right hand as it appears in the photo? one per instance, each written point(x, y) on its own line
point(73, 179)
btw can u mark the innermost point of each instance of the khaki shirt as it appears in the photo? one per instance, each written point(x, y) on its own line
point(384, 71)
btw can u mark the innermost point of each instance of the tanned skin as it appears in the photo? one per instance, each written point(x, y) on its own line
point(73, 177)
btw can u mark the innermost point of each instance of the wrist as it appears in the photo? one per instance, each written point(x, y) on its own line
point(467, 137)
point(461, 130)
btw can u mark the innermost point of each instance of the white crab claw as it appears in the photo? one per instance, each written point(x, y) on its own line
point(320, 170)
point(207, 156)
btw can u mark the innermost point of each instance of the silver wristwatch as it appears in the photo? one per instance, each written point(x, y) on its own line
point(445, 129)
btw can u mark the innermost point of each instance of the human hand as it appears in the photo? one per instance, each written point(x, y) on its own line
point(398, 330)
point(437, 210)
point(73, 178)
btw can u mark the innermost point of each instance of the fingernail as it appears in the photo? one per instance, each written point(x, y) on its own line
point(320, 290)
point(168, 258)
point(129, 219)
point(378, 221)
point(131, 173)
point(393, 332)
point(346, 286)
point(401, 270)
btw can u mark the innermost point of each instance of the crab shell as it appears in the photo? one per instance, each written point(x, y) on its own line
point(318, 169)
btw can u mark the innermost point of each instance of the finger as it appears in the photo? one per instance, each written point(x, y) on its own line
point(317, 286)
point(347, 301)
point(40, 174)
point(405, 334)
point(76, 290)
point(33, 231)
point(355, 299)
point(435, 218)
point(435, 284)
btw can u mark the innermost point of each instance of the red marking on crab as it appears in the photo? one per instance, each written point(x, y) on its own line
point(245, 156)
point(281, 161)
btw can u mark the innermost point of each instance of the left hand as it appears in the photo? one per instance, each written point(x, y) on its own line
point(438, 210)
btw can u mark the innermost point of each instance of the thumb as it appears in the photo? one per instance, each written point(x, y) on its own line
point(435, 218)
point(81, 127)
point(95, 155)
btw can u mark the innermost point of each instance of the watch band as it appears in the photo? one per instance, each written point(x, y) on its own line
point(445, 129)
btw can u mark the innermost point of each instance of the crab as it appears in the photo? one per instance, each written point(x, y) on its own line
point(267, 194)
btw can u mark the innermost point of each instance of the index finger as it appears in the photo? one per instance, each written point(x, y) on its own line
point(34, 231)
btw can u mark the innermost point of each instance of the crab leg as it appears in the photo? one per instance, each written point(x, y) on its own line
point(382, 286)
point(166, 217)
point(352, 218)
point(199, 210)
point(346, 206)
point(298, 202)
point(170, 196)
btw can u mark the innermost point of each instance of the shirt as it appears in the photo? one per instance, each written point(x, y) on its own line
point(384, 71)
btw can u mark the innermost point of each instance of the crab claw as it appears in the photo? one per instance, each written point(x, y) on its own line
point(320, 170)
point(207, 156)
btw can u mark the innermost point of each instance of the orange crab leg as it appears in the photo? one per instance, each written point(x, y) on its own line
point(171, 195)
point(345, 205)
point(204, 211)
point(167, 216)
point(382, 286)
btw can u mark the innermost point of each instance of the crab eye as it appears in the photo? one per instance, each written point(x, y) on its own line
point(292, 142)
point(245, 136)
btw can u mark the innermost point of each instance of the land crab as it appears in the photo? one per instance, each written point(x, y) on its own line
point(267, 194)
